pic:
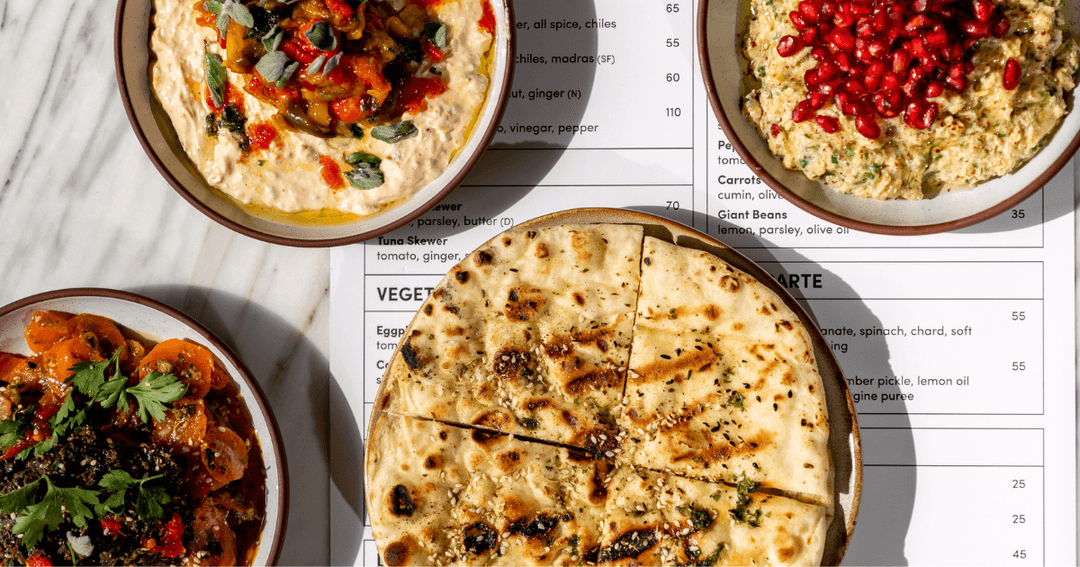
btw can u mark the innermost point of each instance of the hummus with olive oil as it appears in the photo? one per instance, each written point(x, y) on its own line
point(982, 133)
point(287, 176)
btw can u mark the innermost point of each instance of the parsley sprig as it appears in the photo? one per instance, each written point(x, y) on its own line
point(35, 516)
point(148, 500)
point(153, 393)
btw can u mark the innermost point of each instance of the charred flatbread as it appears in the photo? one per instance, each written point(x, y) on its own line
point(593, 395)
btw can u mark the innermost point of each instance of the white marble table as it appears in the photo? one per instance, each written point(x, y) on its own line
point(82, 206)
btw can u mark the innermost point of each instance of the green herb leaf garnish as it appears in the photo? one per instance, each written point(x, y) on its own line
point(155, 392)
point(272, 40)
point(321, 36)
point(272, 65)
point(34, 517)
point(239, 13)
point(392, 133)
point(315, 65)
point(436, 34)
point(148, 500)
point(215, 79)
point(365, 176)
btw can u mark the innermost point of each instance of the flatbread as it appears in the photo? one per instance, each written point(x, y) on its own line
point(717, 393)
point(661, 519)
point(588, 394)
point(529, 335)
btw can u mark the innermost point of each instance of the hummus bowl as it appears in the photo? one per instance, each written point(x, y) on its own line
point(280, 194)
point(150, 322)
point(724, 70)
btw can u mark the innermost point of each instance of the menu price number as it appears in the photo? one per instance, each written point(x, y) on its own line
point(1016, 213)
point(1020, 554)
point(673, 8)
point(1019, 316)
point(672, 206)
point(1019, 483)
point(1019, 519)
point(1019, 366)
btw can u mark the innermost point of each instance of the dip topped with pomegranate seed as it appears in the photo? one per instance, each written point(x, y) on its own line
point(903, 99)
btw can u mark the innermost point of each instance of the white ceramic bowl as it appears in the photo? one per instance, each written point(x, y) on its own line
point(156, 321)
point(723, 66)
point(155, 132)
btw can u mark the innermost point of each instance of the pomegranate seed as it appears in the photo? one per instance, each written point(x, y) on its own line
point(817, 100)
point(934, 88)
point(876, 69)
point(913, 115)
point(830, 88)
point(855, 87)
point(844, 19)
point(937, 39)
point(876, 47)
point(912, 89)
point(968, 42)
point(843, 97)
point(844, 62)
point(954, 53)
point(872, 83)
point(828, 9)
point(774, 130)
point(808, 35)
point(820, 53)
point(809, 11)
point(968, 67)
point(1000, 27)
point(879, 23)
point(982, 9)
point(867, 126)
point(828, 123)
point(826, 70)
point(918, 22)
point(929, 114)
point(917, 48)
point(919, 6)
point(810, 77)
point(916, 75)
point(900, 60)
point(1010, 78)
point(841, 39)
point(802, 111)
point(797, 20)
point(890, 82)
point(861, 10)
point(864, 29)
point(789, 45)
point(976, 29)
point(957, 83)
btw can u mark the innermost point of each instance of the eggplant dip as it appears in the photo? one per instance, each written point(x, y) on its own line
point(309, 105)
point(890, 99)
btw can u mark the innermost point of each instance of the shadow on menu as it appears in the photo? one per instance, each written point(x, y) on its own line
point(889, 474)
point(555, 69)
point(272, 350)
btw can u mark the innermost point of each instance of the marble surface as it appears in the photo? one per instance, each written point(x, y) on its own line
point(82, 206)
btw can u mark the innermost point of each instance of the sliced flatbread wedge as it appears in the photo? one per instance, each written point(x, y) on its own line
point(661, 519)
point(529, 335)
point(440, 494)
point(709, 397)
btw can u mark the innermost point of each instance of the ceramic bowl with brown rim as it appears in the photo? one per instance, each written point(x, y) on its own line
point(723, 65)
point(151, 322)
point(159, 139)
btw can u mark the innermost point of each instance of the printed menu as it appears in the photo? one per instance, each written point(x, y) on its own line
point(958, 348)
